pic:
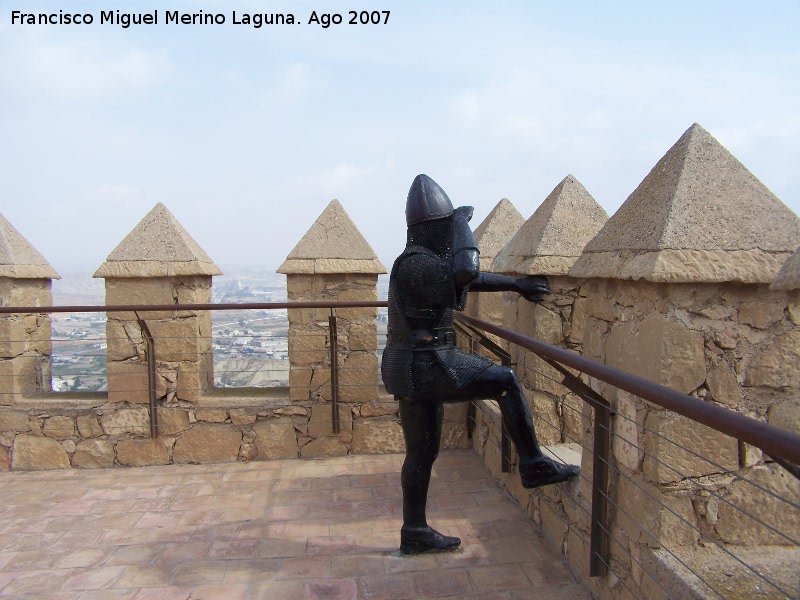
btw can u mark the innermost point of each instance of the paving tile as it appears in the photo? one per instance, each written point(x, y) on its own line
point(178, 552)
point(109, 594)
point(547, 571)
point(388, 587)
point(352, 494)
point(79, 539)
point(21, 542)
point(397, 563)
point(554, 592)
point(29, 560)
point(227, 591)
point(450, 501)
point(357, 565)
point(164, 593)
point(433, 584)
point(139, 554)
point(498, 577)
point(331, 545)
point(145, 576)
point(331, 589)
point(200, 573)
point(253, 571)
point(83, 557)
point(305, 567)
point(96, 578)
point(330, 483)
point(233, 549)
point(307, 528)
point(282, 547)
point(261, 529)
point(329, 511)
point(263, 590)
point(120, 537)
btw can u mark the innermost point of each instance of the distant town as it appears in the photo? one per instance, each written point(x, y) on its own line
point(250, 347)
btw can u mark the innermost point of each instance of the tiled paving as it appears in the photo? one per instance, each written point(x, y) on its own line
point(301, 529)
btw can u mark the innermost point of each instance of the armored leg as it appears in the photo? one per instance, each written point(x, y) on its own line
point(535, 469)
point(422, 429)
point(501, 384)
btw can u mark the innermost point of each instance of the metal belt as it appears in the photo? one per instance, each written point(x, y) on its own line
point(423, 339)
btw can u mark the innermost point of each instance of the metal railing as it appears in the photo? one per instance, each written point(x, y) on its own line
point(610, 513)
point(139, 311)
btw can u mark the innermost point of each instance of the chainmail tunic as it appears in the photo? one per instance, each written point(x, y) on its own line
point(423, 295)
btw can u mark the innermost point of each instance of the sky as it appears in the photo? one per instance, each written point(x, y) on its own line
point(246, 134)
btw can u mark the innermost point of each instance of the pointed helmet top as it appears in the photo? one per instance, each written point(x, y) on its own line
point(426, 201)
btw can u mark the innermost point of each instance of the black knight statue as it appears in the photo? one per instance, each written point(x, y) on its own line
point(421, 366)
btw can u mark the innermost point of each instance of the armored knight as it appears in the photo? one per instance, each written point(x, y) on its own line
point(421, 366)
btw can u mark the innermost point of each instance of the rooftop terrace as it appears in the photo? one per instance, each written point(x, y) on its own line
point(325, 528)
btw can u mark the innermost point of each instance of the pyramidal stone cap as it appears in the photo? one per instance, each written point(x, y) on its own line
point(333, 244)
point(698, 216)
point(158, 246)
point(18, 258)
point(789, 276)
point(553, 238)
point(496, 230)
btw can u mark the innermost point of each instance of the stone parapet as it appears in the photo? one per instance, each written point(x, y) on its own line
point(333, 245)
point(158, 262)
point(88, 431)
point(788, 278)
point(673, 288)
point(25, 346)
point(553, 238)
point(698, 216)
point(548, 243)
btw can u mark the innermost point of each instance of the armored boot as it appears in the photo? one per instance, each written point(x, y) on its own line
point(539, 471)
point(416, 540)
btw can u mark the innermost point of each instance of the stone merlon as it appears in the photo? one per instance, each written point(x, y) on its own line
point(553, 238)
point(158, 246)
point(333, 244)
point(496, 230)
point(789, 276)
point(698, 216)
point(20, 260)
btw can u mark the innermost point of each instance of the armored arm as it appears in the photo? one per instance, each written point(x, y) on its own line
point(466, 256)
point(532, 287)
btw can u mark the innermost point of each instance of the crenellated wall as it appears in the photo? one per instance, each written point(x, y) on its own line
point(159, 263)
point(675, 288)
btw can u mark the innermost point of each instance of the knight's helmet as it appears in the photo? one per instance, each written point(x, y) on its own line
point(427, 215)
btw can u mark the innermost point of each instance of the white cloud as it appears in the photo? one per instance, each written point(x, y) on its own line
point(79, 71)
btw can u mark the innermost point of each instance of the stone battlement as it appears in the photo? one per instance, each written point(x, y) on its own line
point(693, 283)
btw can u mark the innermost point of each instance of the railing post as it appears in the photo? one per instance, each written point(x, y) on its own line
point(151, 375)
point(334, 372)
point(505, 440)
point(598, 561)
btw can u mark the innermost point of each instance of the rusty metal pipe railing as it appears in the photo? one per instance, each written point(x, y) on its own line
point(151, 375)
point(770, 439)
point(168, 307)
point(334, 372)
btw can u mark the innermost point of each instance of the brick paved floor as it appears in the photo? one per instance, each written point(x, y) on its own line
point(301, 529)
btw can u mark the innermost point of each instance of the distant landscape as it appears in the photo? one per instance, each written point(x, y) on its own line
point(250, 347)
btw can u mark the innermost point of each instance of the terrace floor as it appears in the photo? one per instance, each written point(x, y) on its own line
point(326, 528)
